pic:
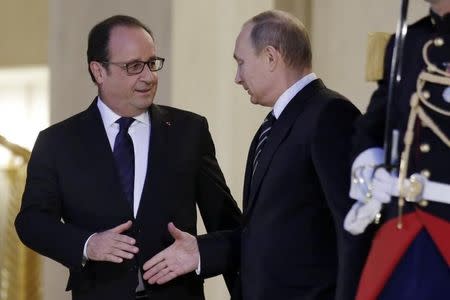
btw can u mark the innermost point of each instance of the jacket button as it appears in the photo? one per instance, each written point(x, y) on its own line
point(424, 148)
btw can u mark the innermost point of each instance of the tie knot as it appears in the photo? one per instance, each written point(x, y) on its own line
point(270, 119)
point(125, 123)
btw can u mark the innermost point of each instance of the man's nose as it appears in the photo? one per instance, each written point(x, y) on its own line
point(147, 74)
point(237, 78)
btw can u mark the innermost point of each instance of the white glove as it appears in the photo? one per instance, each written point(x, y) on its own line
point(384, 185)
point(362, 213)
point(362, 172)
point(360, 216)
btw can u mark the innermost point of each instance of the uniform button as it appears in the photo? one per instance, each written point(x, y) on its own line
point(424, 148)
point(423, 203)
point(439, 41)
point(426, 173)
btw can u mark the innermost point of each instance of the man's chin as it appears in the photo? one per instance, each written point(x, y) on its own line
point(143, 102)
point(253, 100)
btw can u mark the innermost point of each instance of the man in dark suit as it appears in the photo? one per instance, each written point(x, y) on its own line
point(103, 184)
point(291, 244)
point(410, 255)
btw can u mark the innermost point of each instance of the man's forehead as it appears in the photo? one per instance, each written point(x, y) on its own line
point(244, 34)
point(243, 48)
point(130, 40)
point(239, 51)
point(123, 38)
point(121, 31)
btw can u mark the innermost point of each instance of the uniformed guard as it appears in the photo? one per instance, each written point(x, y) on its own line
point(410, 254)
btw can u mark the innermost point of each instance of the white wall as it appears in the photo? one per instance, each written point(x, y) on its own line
point(203, 74)
point(23, 28)
point(202, 81)
point(339, 36)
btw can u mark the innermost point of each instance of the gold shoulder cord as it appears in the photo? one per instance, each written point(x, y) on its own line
point(433, 75)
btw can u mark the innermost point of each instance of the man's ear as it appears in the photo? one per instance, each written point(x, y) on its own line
point(98, 71)
point(273, 57)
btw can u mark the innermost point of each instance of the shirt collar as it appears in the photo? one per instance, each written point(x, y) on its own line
point(290, 93)
point(109, 117)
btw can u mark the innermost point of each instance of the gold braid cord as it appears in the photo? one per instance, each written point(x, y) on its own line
point(419, 99)
point(20, 267)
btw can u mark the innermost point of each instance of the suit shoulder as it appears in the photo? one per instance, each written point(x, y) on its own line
point(420, 25)
point(180, 114)
point(331, 95)
point(64, 125)
point(421, 28)
point(332, 99)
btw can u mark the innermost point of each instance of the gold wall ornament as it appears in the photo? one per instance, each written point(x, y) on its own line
point(15, 149)
point(376, 48)
point(20, 267)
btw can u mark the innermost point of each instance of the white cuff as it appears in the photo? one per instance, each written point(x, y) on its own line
point(85, 257)
point(197, 271)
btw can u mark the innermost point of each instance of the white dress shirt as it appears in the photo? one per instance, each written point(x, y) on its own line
point(140, 134)
point(290, 93)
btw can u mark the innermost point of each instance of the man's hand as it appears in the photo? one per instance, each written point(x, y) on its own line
point(111, 245)
point(180, 258)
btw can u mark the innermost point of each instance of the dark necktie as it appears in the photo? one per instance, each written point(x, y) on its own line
point(124, 156)
point(263, 135)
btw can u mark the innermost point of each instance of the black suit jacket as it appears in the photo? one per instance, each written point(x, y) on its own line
point(291, 244)
point(72, 177)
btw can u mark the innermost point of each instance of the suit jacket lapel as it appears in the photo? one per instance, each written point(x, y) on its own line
point(99, 154)
point(280, 130)
point(157, 166)
point(248, 172)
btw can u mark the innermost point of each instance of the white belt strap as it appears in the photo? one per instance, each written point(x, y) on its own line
point(418, 188)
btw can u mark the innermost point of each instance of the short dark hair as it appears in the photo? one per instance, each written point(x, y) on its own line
point(285, 33)
point(98, 39)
